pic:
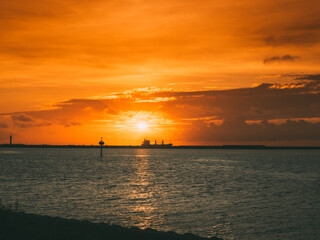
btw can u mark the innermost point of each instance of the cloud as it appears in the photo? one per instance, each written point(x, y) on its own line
point(265, 101)
point(285, 58)
point(71, 124)
point(301, 77)
point(3, 125)
point(55, 50)
point(237, 130)
point(201, 110)
point(69, 113)
point(27, 120)
point(21, 118)
point(312, 77)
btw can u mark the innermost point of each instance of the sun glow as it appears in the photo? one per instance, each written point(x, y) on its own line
point(142, 126)
point(138, 125)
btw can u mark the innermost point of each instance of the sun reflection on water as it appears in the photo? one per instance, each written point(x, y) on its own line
point(143, 208)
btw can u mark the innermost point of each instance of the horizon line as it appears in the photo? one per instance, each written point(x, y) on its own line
point(232, 146)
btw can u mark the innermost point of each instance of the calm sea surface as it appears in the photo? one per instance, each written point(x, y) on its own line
point(233, 194)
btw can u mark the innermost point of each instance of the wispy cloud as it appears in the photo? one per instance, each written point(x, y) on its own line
point(285, 58)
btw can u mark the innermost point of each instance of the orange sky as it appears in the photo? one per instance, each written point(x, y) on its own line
point(188, 71)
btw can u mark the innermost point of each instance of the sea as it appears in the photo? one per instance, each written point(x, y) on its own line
point(231, 194)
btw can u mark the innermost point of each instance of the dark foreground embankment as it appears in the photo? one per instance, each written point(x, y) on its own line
point(18, 225)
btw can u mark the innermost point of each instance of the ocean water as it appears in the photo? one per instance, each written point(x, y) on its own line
point(233, 194)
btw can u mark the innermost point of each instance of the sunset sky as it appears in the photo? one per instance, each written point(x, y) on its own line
point(186, 71)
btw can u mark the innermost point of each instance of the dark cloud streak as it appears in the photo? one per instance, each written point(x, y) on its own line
point(239, 131)
point(3, 125)
point(311, 77)
point(285, 58)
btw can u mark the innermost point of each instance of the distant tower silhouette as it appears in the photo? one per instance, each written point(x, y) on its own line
point(10, 140)
point(101, 143)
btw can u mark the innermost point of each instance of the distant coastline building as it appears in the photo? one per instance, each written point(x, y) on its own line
point(10, 140)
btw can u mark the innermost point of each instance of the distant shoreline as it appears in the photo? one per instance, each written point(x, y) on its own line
point(238, 147)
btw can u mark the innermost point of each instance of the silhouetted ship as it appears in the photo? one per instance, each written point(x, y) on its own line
point(146, 144)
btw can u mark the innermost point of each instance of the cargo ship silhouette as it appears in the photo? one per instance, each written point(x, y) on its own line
point(146, 144)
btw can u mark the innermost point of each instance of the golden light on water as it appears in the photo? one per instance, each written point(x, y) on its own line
point(144, 207)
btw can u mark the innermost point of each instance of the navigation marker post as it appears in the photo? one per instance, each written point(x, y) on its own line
point(101, 143)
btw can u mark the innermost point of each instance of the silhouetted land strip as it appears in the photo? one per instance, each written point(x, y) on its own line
point(258, 147)
point(19, 225)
